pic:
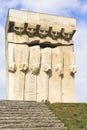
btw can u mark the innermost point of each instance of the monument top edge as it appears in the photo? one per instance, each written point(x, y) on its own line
point(26, 16)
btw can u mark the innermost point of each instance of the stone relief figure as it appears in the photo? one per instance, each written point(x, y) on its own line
point(43, 77)
point(31, 75)
point(19, 29)
point(55, 84)
point(17, 61)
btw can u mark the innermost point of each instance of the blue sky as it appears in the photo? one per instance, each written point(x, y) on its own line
point(71, 8)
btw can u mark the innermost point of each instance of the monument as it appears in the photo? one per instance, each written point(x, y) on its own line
point(40, 57)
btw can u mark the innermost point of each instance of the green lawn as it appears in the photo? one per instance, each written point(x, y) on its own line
point(73, 115)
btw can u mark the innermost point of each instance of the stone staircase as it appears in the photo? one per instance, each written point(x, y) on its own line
point(26, 115)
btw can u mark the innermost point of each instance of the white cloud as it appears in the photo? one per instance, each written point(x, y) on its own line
point(58, 7)
point(50, 6)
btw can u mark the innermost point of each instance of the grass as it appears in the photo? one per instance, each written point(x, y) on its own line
point(73, 115)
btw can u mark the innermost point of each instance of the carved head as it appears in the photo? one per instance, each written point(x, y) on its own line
point(43, 31)
point(55, 32)
point(31, 29)
point(67, 32)
point(18, 28)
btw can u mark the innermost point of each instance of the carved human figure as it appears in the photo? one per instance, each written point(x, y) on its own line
point(18, 30)
point(43, 77)
point(17, 61)
point(18, 33)
point(31, 76)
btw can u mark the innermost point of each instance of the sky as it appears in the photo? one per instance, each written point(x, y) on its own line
point(70, 8)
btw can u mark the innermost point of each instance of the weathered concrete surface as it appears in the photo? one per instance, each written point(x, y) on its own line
point(40, 57)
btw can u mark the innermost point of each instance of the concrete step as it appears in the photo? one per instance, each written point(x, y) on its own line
point(21, 106)
point(31, 121)
point(35, 125)
point(26, 111)
point(26, 114)
point(21, 103)
point(28, 118)
point(41, 128)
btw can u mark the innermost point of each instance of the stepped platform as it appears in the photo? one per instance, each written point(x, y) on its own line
point(27, 115)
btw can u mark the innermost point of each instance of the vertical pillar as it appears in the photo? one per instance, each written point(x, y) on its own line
point(43, 77)
point(55, 85)
point(21, 59)
point(11, 71)
point(68, 89)
point(31, 76)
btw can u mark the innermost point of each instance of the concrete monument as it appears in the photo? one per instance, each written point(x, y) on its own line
point(40, 57)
